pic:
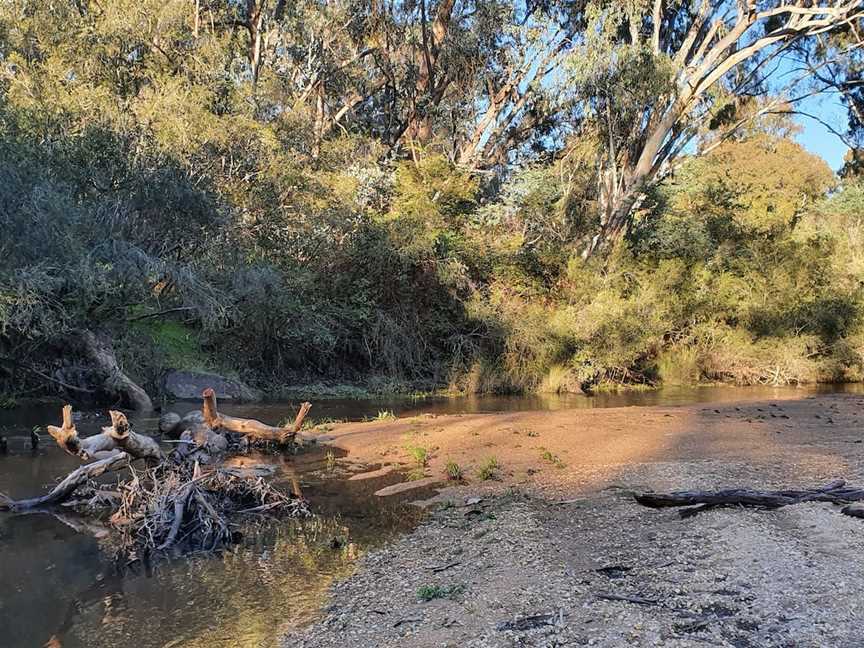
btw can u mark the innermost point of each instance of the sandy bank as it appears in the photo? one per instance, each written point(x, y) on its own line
point(791, 577)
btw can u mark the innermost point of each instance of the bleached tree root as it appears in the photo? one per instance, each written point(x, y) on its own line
point(116, 438)
point(836, 492)
point(171, 505)
point(250, 428)
point(74, 480)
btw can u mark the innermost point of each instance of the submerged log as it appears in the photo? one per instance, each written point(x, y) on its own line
point(250, 427)
point(112, 439)
point(836, 492)
point(74, 480)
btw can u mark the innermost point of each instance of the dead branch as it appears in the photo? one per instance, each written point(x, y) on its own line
point(250, 427)
point(698, 501)
point(137, 445)
point(70, 484)
point(112, 439)
point(170, 505)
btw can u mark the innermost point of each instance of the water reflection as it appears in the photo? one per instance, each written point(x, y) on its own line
point(56, 582)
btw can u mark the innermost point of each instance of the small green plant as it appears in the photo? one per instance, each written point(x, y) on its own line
point(431, 592)
point(385, 415)
point(488, 469)
point(330, 460)
point(416, 474)
point(419, 454)
point(554, 459)
point(454, 471)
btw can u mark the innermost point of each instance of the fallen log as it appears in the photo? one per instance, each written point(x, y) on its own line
point(115, 382)
point(112, 439)
point(74, 480)
point(836, 492)
point(250, 427)
point(137, 445)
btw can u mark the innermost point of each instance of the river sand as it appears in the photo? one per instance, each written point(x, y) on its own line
point(554, 550)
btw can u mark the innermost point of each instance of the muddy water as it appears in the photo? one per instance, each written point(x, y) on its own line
point(56, 582)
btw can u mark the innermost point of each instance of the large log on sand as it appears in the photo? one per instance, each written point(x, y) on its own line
point(64, 490)
point(250, 427)
point(836, 492)
point(118, 437)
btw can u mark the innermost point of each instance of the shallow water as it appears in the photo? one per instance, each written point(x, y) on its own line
point(57, 582)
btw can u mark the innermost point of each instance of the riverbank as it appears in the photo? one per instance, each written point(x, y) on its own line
point(550, 539)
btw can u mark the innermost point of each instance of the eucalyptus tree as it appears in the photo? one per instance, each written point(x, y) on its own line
point(653, 76)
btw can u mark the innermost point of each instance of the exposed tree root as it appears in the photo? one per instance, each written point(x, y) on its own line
point(250, 427)
point(172, 504)
point(115, 382)
point(698, 501)
point(116, 438)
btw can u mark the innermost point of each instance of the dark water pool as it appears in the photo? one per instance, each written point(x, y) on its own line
point(58, 587)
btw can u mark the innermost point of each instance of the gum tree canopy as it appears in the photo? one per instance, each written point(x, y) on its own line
point(489, 80)
point(660, 76)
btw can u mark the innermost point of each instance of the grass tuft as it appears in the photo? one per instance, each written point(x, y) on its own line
point(488, 469)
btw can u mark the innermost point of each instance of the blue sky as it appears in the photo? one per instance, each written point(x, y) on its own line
point(818, 139)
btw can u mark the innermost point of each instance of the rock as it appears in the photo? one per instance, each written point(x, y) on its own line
point(407, 486)
point(192, 419)
point(188, 385)
point(372, 474)
point(172, 424)
point(168, 422)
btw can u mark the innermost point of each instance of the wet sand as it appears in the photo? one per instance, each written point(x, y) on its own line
point(558, 538)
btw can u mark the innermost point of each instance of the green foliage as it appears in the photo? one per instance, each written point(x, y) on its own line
point(144, 173)
point(553, 459)
point(454, 471)
point(179, 344)
point(488, 469)
point(419, 454)
point(431, 592)
point(330, 460)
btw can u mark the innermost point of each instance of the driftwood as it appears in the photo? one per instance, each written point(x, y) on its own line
point(113, 439)
point(836, 492)
point(178, 506)
point(172, 503)
point(74, 480)
point(250, 427)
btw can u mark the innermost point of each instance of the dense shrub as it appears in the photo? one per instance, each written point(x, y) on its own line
point(200, 223)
